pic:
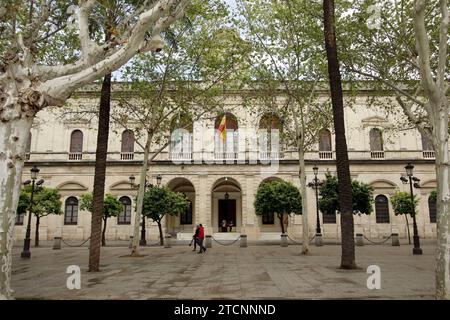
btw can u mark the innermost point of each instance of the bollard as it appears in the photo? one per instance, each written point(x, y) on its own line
point(318, 240)
point(395, 240)
point(131, 242)
point(359, 239)
point(56, 243)
point(208, 241)
point(243, 241)
point(167, 241)
point(284, 242)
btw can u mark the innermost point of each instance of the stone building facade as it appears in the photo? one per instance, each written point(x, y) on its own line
point(221, 181)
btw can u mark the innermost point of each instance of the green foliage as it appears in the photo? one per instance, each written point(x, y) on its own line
point(278, 197)
point(45, 201)
point(433, 195)
point(401, 203)
point(159, 201)
point(362, 195)
point(112, 207)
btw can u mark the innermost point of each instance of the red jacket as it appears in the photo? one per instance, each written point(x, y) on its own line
point(201, 234)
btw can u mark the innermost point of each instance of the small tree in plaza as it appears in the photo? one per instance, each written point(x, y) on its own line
point(112, 207)
point(46, 201)
point(362, 195)
point(278, 197)
point(160, 201)
point(401, 203)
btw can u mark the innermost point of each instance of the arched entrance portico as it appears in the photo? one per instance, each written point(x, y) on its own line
point(226, 200)
point(186, 221)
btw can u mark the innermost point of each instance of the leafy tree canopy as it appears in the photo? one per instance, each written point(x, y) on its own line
point(401, 203)
point(112, 207)
point(362, 196)
point(46, 201)
point(278, 197)
point(159, 201)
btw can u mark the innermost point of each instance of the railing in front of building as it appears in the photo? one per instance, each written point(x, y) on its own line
point(126, 155)
point(429, 154)
point(270, 155)
point(180, 155)
point(252, 156)
point(325, 155)
point(377, 154)
point(225, 155)
point(75, 155)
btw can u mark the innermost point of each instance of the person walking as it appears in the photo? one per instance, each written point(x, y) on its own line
point(201, 237)
point(195, 237)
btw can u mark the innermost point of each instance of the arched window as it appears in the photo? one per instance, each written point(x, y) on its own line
point(268, 218)
point(186, 217)
point(376, 140)
point(127, 148)
point(382, 209)
point(125, 216)
point(270, 133)
point(181, 138)
point(226, 136)
point(432, 209)
point(325, 140)
point(28, 147)
point(76, 145)
point(71, 211)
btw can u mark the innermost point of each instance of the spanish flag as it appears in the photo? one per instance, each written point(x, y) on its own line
point(223, 128)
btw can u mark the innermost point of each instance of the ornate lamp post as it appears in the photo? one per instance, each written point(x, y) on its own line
point(26, 243)
point(316, 184)
point(132, 179)
point(409, 172)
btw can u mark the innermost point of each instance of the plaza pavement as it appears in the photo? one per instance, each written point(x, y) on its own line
point(226, 272)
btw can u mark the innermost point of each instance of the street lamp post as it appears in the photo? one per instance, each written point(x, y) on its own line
point(409, 172)
point(26, 243)
point(143, 240)
point(316, 184)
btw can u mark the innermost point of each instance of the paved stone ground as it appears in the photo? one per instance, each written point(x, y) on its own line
point(256, 272)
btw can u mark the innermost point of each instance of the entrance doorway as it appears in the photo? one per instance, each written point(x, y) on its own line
point(227, 215)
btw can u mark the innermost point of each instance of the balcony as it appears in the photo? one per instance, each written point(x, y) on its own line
point(225, 155)
point(75, 155)
point(270, 155)
point(180, 155)
point(428, 154)
point(377, 154)
point(126, 155)
point(325, 155)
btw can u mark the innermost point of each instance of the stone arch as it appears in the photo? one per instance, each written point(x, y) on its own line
point(72, 186)
point(120, 185)
point(226, 205)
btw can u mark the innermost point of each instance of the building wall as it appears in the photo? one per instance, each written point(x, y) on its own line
point(50, 152)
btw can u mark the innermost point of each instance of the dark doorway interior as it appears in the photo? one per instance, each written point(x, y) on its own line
point(227, 215)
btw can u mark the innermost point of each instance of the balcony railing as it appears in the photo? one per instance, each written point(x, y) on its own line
point(267, 155)
point(225, 155)
point(324, 155)
point(126, 155)
point(180, 156)
point(75, 155)
point(377, 154)
point(429, 154)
